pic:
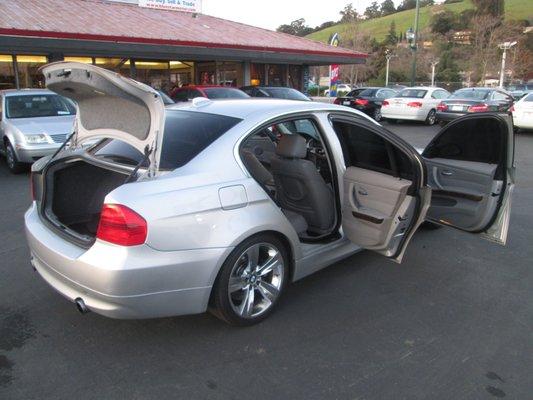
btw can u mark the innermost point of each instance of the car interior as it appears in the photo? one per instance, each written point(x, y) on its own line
point(289, 161)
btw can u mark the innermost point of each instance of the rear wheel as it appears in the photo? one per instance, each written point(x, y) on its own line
point(431, 118)
point(377, 114)
point(13, 163)
point(251, 281)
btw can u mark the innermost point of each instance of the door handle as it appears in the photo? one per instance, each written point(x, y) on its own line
point(446, 173)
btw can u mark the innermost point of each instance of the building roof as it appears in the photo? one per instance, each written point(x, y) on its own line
point(122, 23)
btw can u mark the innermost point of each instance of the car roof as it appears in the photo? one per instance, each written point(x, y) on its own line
point(242, 108)
point(18, 92)
point(268, 87)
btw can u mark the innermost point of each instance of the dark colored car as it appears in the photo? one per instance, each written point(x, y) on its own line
point(473, 100)
point(276, 92)
point(367, 100)
point(165, 97)
point(190, 92)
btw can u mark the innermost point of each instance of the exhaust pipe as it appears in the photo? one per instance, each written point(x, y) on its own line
point(80, 305)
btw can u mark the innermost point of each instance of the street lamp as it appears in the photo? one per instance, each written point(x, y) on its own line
point(412, 37)
point(433, 65)
point(504, 46)
point(388, 56)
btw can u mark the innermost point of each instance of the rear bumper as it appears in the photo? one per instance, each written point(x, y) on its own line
point(524, 123)
point(120, 282)
point(410, 115)
point(444, 116)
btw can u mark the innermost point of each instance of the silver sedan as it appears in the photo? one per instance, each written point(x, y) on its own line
point(219, 205)
point(34, 123)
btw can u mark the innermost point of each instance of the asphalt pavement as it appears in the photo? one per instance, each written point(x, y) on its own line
point(453, 321)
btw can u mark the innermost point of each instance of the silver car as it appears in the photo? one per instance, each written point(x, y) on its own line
point(219, 205)
point(34, 124)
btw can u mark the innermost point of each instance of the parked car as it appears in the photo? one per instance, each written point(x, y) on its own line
point(152, 223)
point(474, 100)
point(187, 93)
point(523, 112)
point(34, 123)
point(275, 92)
point(520, 89)
point(414, 104)
point(166, 98)
point(367, 100)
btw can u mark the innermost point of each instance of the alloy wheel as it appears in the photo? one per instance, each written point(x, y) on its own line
point(431, 118)
point(377, 114)
point(10, 157)
point(256, 280)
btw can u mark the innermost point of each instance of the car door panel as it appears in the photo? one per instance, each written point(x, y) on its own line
point(471, 173)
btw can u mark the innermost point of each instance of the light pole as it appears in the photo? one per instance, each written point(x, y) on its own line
point(504, 46)
point(388, 56)
point(433, 65)
point(412, 37)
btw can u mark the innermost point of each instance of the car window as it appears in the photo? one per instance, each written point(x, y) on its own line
point(286, 93)
point(186, 135)
point(439, 94)
point(413, 93)
point(381, 94)
point(365, 149)
point(472, 140)
point(500, 96)
point(34, 106)
point(181, 95)
point(225, 93)
point(389, 94)
point(474, 94)
point(362, 92)
point(193, 93)
point(305, 126)
point(528, 98)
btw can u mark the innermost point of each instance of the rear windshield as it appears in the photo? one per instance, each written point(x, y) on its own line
point(286, 93)
point(470, 94)
point(414, 93)
point(35, 106)
point(186, 135)
point(225, 93)
point(528, 98)
point(362, 92)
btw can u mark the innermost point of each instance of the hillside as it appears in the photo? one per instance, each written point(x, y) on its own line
point(514, 9)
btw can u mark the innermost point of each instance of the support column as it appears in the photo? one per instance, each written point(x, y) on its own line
point(16, 71)
point(133, 69)
point(247, 73)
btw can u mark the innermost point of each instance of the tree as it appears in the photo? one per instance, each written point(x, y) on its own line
point(349, 13)
point(296, 28)
point(494, 8)
point(447, 70)
point(407, 5)
point(372, 11)
point(387, 7)
point(392, 38)
point(443, 22)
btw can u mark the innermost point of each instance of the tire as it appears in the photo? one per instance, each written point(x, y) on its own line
point(431, 118)
point(377, 114)
point(264, 288)
point(12, 162)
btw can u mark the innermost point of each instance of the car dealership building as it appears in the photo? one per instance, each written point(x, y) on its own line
point(161, 47)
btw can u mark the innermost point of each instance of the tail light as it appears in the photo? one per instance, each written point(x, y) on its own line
point(478, 108)
point(415, 104)
point(385, 103)
point(442, 107)
point(121, 225)
point(512, 109)
point(337, 100)
point(361, 102)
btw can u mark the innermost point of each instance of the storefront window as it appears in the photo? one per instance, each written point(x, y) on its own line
point(276, 75)
point(257, 72)
point(230, 74)
point(84, 60)
point(181, 74)
point(295, 77)
point(206, 73)
point(119, 65)
point(7, 73)
point(28, 67)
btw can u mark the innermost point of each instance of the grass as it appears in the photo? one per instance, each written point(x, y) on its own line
point(379, 27)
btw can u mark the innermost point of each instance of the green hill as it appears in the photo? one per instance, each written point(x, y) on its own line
point(378, 27)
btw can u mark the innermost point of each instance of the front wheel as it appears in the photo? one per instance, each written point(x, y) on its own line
point(431, 118)
point(13, 164)
point(251, 281)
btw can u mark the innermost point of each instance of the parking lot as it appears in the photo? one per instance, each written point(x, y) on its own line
point(453, 321)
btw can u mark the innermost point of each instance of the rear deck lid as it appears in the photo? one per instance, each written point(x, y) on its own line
point(110, 106)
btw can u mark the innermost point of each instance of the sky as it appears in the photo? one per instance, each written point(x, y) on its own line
point(272, 13)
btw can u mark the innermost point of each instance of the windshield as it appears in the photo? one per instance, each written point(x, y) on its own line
point(225, 93)
point(362, 92)
point(528, 98)
point(286, 93)
point(414, 93)
point(39, 105)
point(470, 94)
point(166, 99)
point(186, 135)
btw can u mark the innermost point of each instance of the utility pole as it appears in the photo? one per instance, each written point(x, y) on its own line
point(504, 46)
point(433, 65)
point(388, 56)
point(414, 42)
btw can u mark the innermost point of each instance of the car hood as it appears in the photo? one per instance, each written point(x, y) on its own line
point(110, 106)
point(47, 125)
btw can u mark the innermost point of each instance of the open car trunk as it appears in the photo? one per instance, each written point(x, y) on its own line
point(75, 192)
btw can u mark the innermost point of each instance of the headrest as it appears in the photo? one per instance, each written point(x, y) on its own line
point(292, 146)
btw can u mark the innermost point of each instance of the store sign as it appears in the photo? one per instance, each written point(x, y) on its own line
point(173, 5)
point(334, 70)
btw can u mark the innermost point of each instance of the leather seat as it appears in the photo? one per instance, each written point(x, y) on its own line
point(300, 187)
point(258, 170)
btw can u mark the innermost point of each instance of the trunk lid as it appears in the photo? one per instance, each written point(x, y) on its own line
point(110, 106)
